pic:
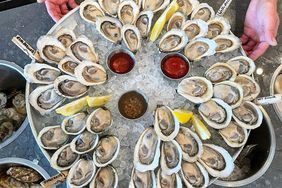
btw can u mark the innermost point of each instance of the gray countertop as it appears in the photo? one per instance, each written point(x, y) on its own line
point(32, 21)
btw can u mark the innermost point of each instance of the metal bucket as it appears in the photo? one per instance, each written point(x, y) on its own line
point(12, 77)
point(264, 137)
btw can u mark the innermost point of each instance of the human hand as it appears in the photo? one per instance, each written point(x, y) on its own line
point(261, 27)
point(58, 8)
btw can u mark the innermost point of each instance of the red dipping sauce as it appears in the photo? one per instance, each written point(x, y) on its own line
point(175, 66)
point(121, 63)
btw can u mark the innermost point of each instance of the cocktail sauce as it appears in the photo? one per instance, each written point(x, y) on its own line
point(121, 63)
point(174, 66)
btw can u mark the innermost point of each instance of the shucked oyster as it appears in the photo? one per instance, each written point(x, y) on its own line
point(109, 6)
point(52, 137)
point(128, 11)
point(67, 65)
point(66, 36)
point(168, 181)
point(176, 21)
point(75, 124)
point(216, 113)
point(41, 73)
point(144, 22)
point(24, 174)
point(187, 6)
point(105, 177)
point(154, 6)
point(106, 151)
point(196, 89)
point(203, 11)
point(166, 125)
point(99, 120)
point(44, 99)
point(190, 143)
point(226, 43)
point(89, 11)
point(217, 161)
point(251, 89)
point(90, 74)
point(142, 179)
point(109, 28)
point(242, 65)
point(147, 151)
point(131, 37)
point(8, 182)
point(171, 157)
point(195, 28)
point(220, 72)
point(173, 40)
point(218, 26)
point(84, 143)
point(194, 175)
point(199, 48)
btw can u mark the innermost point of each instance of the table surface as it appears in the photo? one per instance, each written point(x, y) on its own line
point(32, 21)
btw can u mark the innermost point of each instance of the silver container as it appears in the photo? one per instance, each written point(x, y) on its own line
point(264, 152)
point(11, 78)
point(278, 106)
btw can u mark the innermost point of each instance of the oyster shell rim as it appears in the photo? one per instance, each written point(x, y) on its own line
point(86, 3)
point(176, 14)
point(234, 73)
point(65, 120)
point(178, 32)
point(73, 146)
point(202, 25)
point(90, 117)
point(178, 179)
point(203, 5)
point(91, 185)
point(136, 31)
point(250, 61)
point(153, 176)
point(135, 10)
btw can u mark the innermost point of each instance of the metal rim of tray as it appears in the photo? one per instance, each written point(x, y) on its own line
point(24, 124)
point(273, 79)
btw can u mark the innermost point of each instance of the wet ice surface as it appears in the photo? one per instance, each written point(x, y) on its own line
point(145, 77)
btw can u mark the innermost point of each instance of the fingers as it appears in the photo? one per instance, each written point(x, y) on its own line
point(54, 11)
point(72, 3)
point(249, 45)
point(64, 9)
point(258, 50)
point(244, 39)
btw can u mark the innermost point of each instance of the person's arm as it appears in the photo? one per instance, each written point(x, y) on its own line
point(261, 27)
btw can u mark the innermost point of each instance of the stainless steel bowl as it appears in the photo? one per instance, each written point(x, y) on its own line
point(278, 106)
point(11, 78)
point(264, 137)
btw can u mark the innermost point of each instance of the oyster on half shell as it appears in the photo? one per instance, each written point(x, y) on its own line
point(131, 37)
point(67, 65)
point(105, 177)
point(218, 26)
point(168, 181)
point(195, 28)
point(66, 36)
point(251, 89)
point(220, 72)
point(75, 124)
point(84, 143)
point(187, 6)
point(203, 11)
point(155, 5)
point(99, 121)
point(173, 40)
point(242, 65)
point(128, 11)
point(176, 21)
point(110, 6)
point(109, 28)
point(142, 179)
point(144, 22)
point(226, 43)
point(89, 11)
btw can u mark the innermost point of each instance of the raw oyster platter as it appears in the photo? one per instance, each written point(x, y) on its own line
point(95, 142)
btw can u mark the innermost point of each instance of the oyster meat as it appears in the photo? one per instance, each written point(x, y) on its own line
point(9, 182)
point(196, 89)
point(128, 11)
point(106, 151)
point(190, 144)
point(39, 73)
point(216, 113)
point(109, 28)
point(110, 6)
point(218, 26)
point(166, 125)
point(220, 72)
point(168, 181)
point(6, 129)
point(242, 65)
point(144, 22)
point(19, 103)
point(89, 11)
point(66, 36)
point(195, 28)
point(226, 43)
point(142, 179)
point(75, 124)
point(67, 65)
point(84, 143)
point(147, 151)
point(52, 137)
point(105, 177)
point(155, 6)
point(99, 120)
point(217, 161)
point(173, 40)
point(24, 174)
point(203, 11)
point(251, 89)
point(176, 21)
point(187, 6)
point(131, 37)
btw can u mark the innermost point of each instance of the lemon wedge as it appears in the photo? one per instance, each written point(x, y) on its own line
point(159, 25)
point(183, 116)
point(98, 101)
point(200, 128)
point(72, 107)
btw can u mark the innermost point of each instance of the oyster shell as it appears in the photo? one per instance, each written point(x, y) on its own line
point(199, 48)
point(90, 74)
point(166, 125)
point(176, 21)
point(216, 113)
point(242, 65)
point(131, 37)
point(9, 182)
point(24, 174)
point(190, 143)
point(187, 6)
point(3, 100)
point(203, 11)
point(110, 6)
point(195, 28)
point(196, 89)
point(18, 103)
point(144, 22)
point(128, 11)
point(229, 92)
point(105, 177)
point(52, 137)
point(217, 161)
point(82, 49)
point(168, 181)
point(75, 124)
point(251, 89)
point(248, 115)
point(234, 135)
point(89, 11)
point(44, 99)
point(81, 173)
point(6, 129)
point(147, 151)
point(84, 143)
point(173, 40)
point(64, 158)
point(220, 72)
point(218, 26)
point(67, 65)
point(171, 157)
point(142, 179)
point(69, 87)
point(194, 175)
point(226, 43)
point(66, 36)
point(39, 73)
point(106, 151)
point(155, 6)
point(99, 121)
point(51, 49)
point(109, 28)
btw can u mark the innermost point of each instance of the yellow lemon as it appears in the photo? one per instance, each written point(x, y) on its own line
point(72, 107)
point(98, 101)
point(183, 116)
point(200, 128)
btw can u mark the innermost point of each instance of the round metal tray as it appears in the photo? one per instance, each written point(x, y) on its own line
point(277, 106)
